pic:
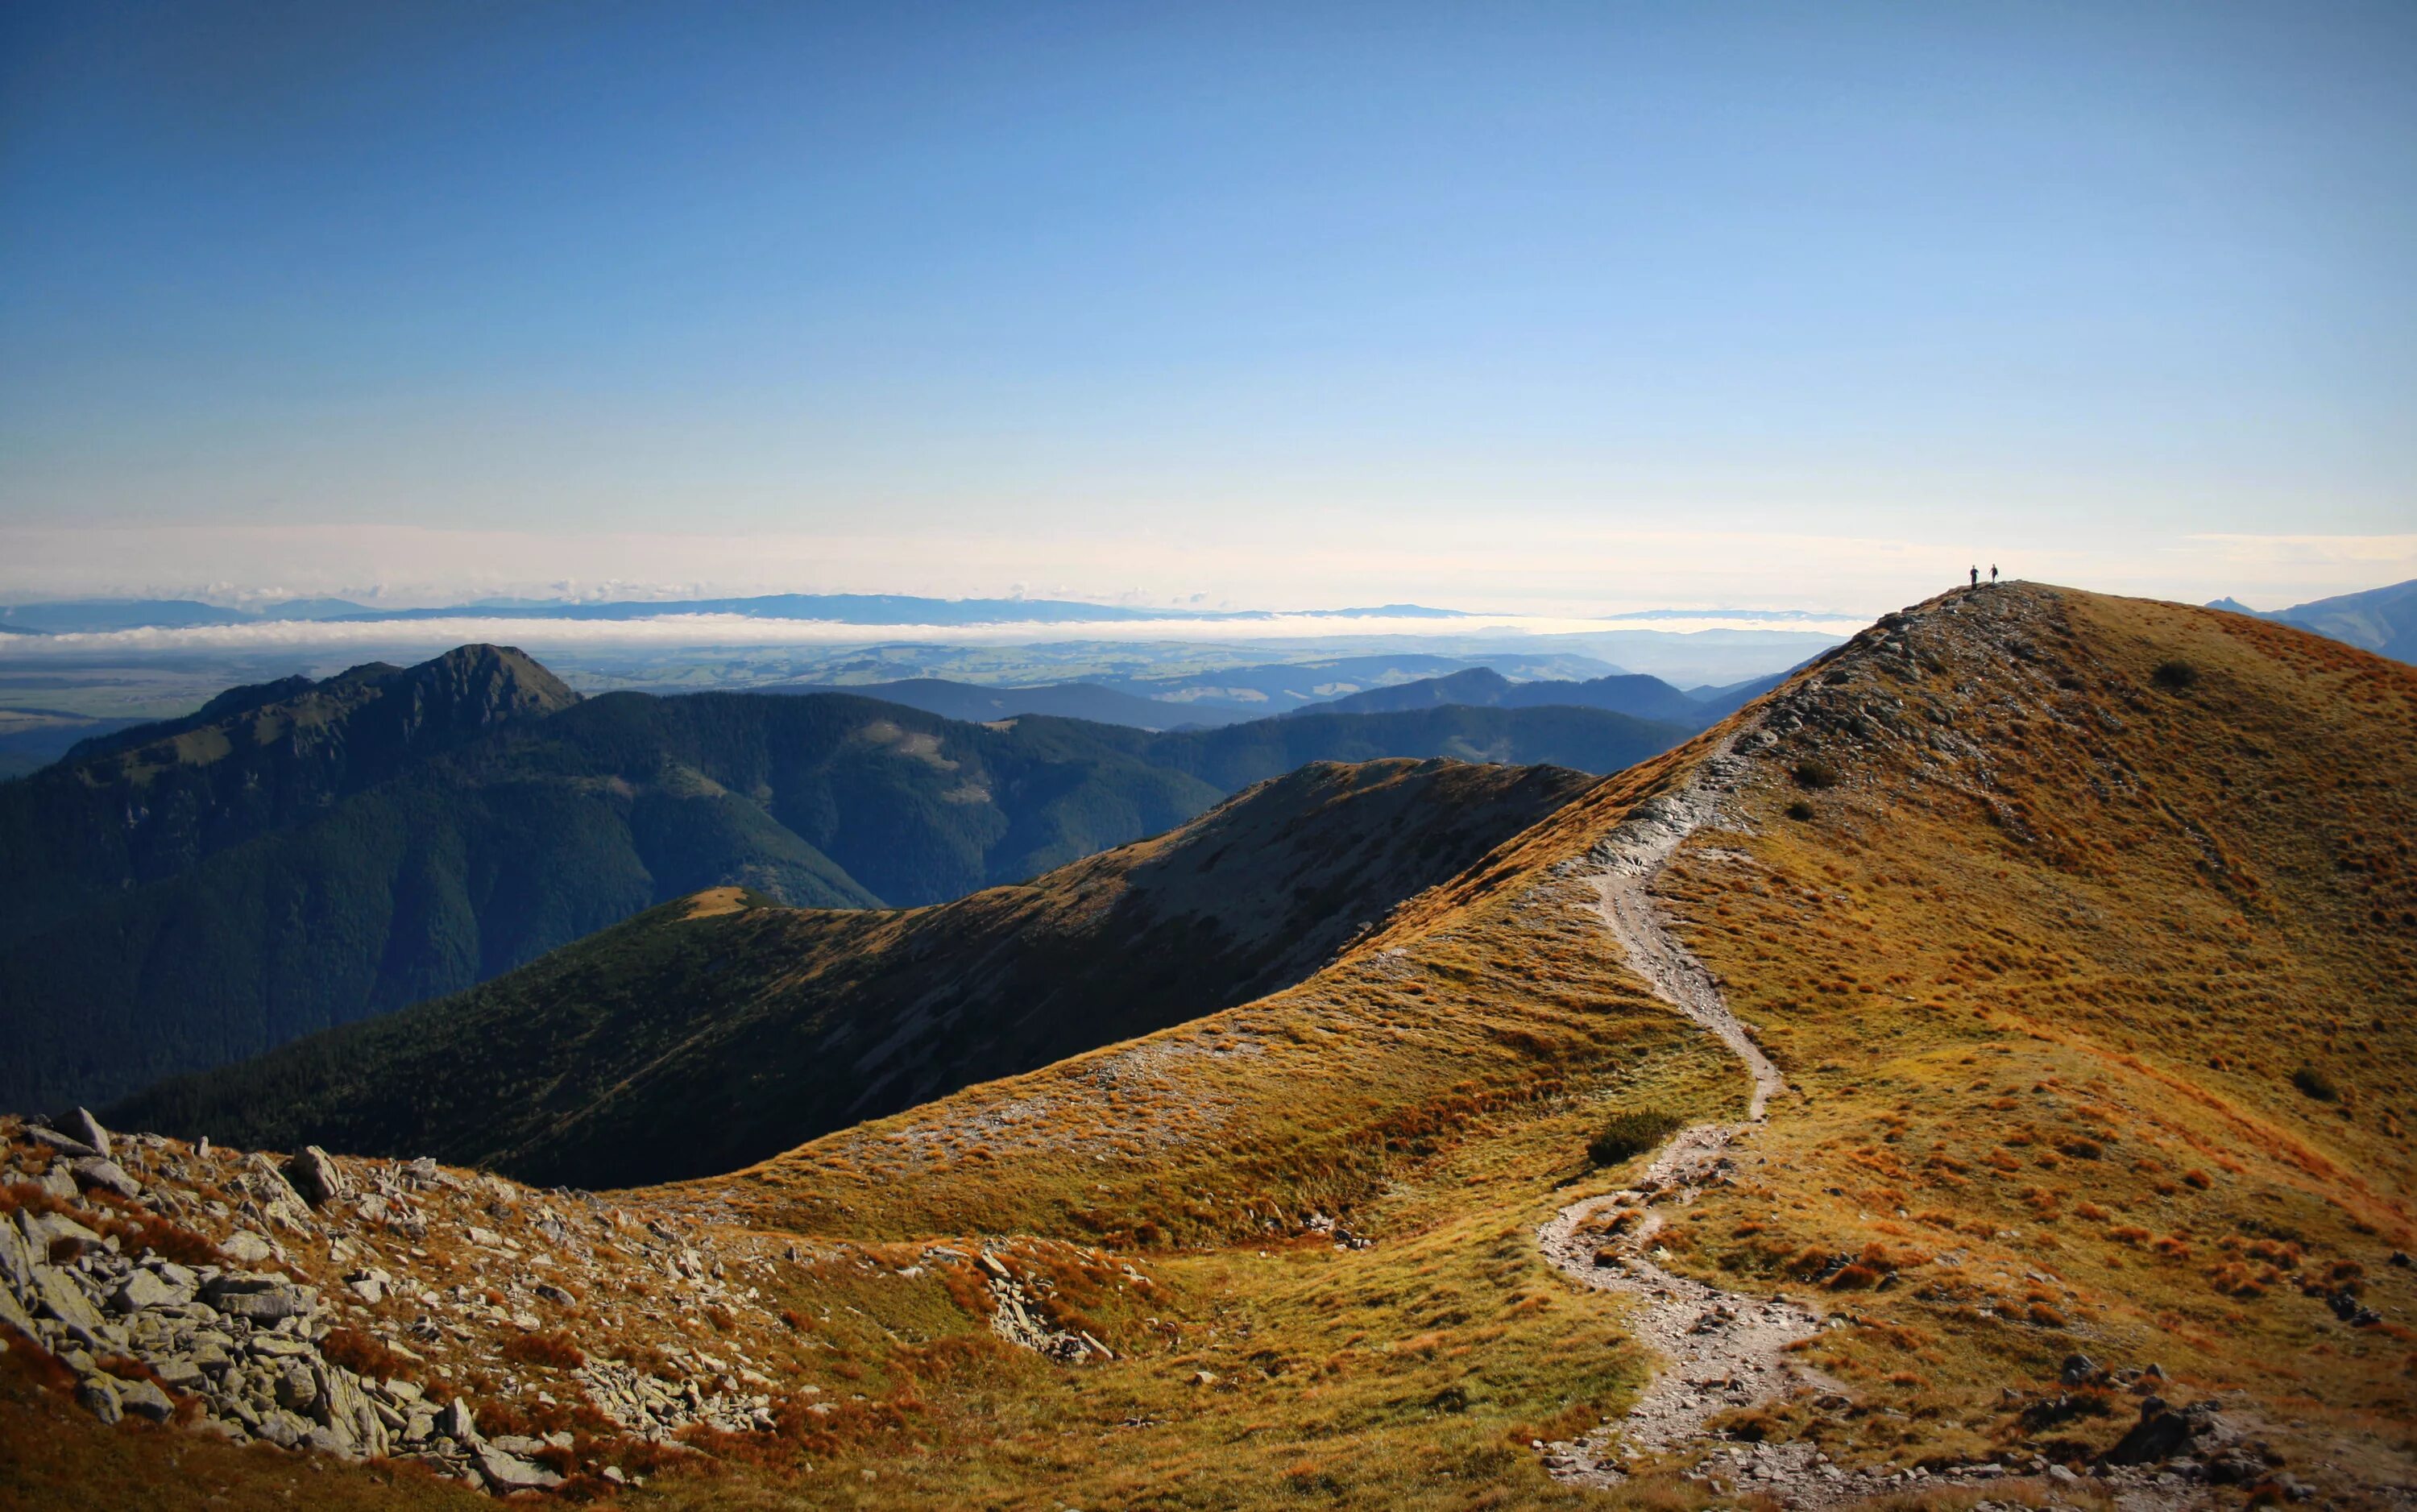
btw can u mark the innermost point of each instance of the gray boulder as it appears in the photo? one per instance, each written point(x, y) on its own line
point(143, 1399)
point(56, 1297)
point(16, 1264)
point(67, 1145)
point(52, 1236)
point(87, 1128)
point(315, 1176)
point(261, 1299)
point(98, 1396)
point(150, 1289)
point(510, 1473)
point(275, 1195)
point(97, 1171)
point(12, 1313)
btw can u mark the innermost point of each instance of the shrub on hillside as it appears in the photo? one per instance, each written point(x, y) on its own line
point(2174, 675)
point(1799, 811)
point(1815, 774)
point(1631, 1134)
point(553, 1349)
point(2316, 1085)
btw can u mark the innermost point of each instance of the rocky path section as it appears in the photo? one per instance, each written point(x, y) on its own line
point(1725, 1350)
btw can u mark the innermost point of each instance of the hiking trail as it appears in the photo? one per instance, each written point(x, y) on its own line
point(1724, 1349)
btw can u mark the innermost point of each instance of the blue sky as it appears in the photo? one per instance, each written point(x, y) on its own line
point(1516, 307)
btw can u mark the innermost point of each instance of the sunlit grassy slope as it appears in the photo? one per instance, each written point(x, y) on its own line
point(2084, 930)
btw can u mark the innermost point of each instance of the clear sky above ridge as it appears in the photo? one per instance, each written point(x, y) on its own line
point(1506, 307)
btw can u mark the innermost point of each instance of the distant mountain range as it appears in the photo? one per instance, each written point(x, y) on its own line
point(790, 1024)
point(87, 615)
point(2381, 620)
point(299, 855)
point(1226, 696)
point(1647, 698)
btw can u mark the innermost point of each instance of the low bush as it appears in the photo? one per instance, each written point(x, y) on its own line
point(2173, 675)
point(1631, 1134)
point(556, 1349)
point(2316, 1085)
point(1815, 774)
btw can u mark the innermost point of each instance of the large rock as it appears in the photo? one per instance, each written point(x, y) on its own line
point(345, 1410)
point(275, 1194)
point(262, 1299)
point(59, 1297)
point(98, 1395)
point(13, 1313)
point(95, 1170)
point(246, 1247)
point(509, 1472)
point(151, 1289)
point(51, 1237)
point(315, 1176)
point(87, 1128)
point(16, 1264)
point(67, 1145)
point(143, 1399)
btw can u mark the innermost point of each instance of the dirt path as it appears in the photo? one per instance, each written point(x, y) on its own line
point(1725, 1349)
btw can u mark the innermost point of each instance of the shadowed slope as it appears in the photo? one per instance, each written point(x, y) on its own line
point(787, 1023)
point(157, 799)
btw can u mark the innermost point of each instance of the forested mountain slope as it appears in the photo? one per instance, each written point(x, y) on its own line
point(789, 1024)
point(157, 799)
point(302, 856)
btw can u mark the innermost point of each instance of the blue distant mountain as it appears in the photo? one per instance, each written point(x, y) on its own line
point(2381, 620)
point(70, 616)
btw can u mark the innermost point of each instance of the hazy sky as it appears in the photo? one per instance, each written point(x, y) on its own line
point(1534, 308)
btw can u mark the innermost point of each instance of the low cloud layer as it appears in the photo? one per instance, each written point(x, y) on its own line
point(736, 631)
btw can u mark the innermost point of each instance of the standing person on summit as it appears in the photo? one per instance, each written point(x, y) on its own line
point(1993, 574)
point(1976, 577)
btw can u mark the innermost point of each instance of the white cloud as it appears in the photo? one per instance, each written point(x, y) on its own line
point(1523, 566)
point(669, 631)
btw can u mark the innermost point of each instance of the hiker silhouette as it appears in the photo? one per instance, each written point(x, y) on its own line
point(1976, 577)
point(1993, 574)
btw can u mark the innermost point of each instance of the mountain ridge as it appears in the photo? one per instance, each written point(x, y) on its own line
point(792, 1023)
point(2381, 620)
point(310, 904)
point(1635, 694)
